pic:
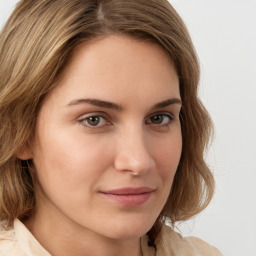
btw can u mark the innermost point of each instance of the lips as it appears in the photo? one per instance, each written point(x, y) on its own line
point(129, 196)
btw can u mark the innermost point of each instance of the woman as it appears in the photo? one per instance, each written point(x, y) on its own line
point(102, 132)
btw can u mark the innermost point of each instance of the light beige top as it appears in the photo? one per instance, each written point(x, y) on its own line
point(20, 242)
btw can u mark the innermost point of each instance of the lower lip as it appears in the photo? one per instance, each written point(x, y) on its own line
point(129, 200)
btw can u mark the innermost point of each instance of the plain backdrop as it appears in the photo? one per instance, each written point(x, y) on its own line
point(224, 35)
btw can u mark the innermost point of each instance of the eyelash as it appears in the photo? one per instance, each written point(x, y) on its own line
point(163, 116)
point(84, 121)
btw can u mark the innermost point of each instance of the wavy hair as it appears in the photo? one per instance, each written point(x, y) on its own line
point(36, 44)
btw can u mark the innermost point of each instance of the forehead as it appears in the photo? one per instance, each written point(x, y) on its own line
point(118, 67)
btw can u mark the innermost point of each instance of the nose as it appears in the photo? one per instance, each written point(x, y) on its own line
point(133, 153)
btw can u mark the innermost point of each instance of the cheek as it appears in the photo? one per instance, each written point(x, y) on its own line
point(69, 159)
point(68, 169)
point(168, 157)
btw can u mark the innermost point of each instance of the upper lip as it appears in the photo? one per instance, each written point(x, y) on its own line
point(129, 191)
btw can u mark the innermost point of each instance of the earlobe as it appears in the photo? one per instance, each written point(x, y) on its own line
point(24, 153)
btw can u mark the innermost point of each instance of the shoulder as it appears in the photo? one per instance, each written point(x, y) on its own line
point(18, 241)
point(172, 243)
point(8, 243)
point(202, 247)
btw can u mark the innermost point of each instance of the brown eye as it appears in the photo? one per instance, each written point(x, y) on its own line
point(95, 121)
point(158, 119)
point(161, 119)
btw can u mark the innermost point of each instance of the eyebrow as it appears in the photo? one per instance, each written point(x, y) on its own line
point(167, 102)
point(98, 103)
point(114, 106)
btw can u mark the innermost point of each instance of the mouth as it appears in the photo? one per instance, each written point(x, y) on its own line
point(128, 196)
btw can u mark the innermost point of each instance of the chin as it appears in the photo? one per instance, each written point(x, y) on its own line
point(129, 230)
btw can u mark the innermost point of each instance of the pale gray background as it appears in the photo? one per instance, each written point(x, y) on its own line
point(224, 33)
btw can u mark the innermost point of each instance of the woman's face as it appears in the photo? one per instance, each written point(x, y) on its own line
point(108, 138)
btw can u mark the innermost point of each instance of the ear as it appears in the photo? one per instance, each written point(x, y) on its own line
point(24, 152)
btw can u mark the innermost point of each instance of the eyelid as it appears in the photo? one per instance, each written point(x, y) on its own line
point(94, 114)
point(164, 124)
point(164, 113)
point(81, 120)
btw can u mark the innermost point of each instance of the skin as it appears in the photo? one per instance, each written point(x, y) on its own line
point(133, 144)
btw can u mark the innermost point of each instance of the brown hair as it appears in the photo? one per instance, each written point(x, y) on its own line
point(36, 44)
